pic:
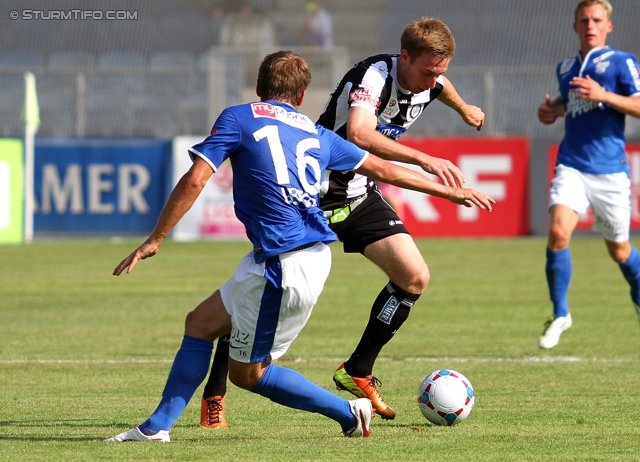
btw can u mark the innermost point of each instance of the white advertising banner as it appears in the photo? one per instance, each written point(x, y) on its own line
point(212, 216)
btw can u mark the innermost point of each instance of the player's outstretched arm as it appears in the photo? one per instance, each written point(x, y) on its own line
point(361, 130)
point(180, 201)
point(472, 115)
point(387, 172)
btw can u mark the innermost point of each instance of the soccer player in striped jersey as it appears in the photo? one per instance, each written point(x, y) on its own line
point(598, 88)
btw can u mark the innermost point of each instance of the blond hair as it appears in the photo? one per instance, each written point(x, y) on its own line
point(283, 76)
point(428, 35)
point(603, 3)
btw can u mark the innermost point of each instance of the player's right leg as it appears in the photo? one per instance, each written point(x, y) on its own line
point(558, 269)
point(375, 230)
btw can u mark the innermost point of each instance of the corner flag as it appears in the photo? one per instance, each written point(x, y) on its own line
point(31, 119)
point(31, 110)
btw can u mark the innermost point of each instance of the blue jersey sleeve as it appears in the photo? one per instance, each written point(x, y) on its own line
point(629, 80)
point(221, 143)
point(345, 155)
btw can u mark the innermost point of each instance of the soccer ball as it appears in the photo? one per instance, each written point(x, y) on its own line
point(446, 397)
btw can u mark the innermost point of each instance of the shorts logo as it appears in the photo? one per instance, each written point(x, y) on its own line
point(388, 310)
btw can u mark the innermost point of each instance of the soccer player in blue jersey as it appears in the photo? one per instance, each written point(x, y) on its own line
point(598, 88)
point(278, 156)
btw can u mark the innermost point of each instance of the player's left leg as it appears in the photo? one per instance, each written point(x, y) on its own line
point(628, 259)
point(269, 306)
point(208, 321)
point(612, 210)
point(290, 388)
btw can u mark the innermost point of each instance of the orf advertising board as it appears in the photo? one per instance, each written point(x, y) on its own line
point(633, 156)
point(495, 166)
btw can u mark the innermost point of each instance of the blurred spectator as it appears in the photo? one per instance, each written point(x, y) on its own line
point(317, 29)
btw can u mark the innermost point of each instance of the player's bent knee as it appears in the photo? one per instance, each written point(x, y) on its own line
point(619, 254)
point(197, 325)
point(242, 379)
point(416, 283)
point(559, 237)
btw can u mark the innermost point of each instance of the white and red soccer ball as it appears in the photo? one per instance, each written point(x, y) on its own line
point(446, 397)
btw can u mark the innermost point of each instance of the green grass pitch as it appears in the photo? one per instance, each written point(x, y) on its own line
point(84, 355)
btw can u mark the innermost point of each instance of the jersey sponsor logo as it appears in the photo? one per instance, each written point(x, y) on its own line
point(566, 65)
point(576, 107)
point(634, 73)
point(601, 67)
point(388, 310)
point(263, 110)
point(292, 118)
point(391, 131)
point(365, 95)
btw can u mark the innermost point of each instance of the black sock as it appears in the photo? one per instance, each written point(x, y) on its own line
point(388, 313)
point(217, 383)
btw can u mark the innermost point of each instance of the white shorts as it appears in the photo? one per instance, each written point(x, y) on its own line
point(609, 196)
point(271, 302)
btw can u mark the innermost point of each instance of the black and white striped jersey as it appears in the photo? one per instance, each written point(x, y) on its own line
point(372, 85)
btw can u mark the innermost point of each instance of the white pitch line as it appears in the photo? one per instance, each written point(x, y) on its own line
point(526, 359)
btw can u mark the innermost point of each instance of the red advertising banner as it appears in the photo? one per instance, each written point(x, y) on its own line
point(633, 154)
point(496, 166)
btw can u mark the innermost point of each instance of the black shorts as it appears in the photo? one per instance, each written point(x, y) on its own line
point(373, 220)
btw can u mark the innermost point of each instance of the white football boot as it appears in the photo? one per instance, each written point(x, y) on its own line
point(553, 329)
point(362, 410)
point(136, 435)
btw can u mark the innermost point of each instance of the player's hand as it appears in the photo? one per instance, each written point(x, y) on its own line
point(473, 115)
point(470, 197)
point(146, 250)
point(546, 113)
point(448, 173)
point(587, 88)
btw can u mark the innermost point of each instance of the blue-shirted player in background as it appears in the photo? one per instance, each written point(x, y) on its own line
point(598, 87)
point(278, 156)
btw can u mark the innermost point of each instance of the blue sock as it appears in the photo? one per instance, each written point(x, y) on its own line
point(631, 271)
point(189, 369)
point(290, 388)
point(558, 271)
